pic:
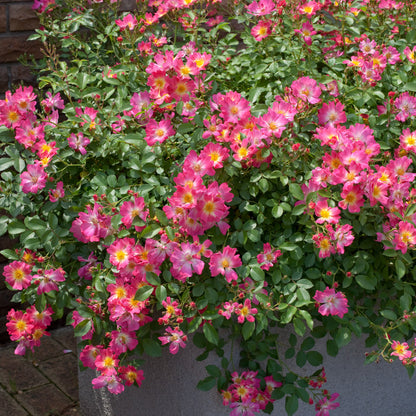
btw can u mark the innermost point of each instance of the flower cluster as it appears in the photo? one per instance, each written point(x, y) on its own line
point(245, 396)
point(192, 168)
point(27, 328)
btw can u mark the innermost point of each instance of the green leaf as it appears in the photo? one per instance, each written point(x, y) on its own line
point(277, 211)
point(388, 314)
point(210, 333)
point(9, 254)
point(314, 358)
point(207, 383)
point(112, 181)
point(410, 371)
point(152, 347)
point(248, 329)
point(16, 227)
point(410, 86)
point(332, 348)
point(400, 268)
point(257, 273)
point(405, 301)
point(296, 191)
point(161, 293)
point(303, 395)
point(291, 405)
point(194, 325)
point(343, 337)
point(299, 326)
point(143, 292)
point(152, 278)
point(307, 317)
point(288, 246)
point(298, 209)
point(300, 359)
point(366, 282)
point(150, 231)
point(82, 328)
point(307, 344)
point(288, 314)
point(213, 370)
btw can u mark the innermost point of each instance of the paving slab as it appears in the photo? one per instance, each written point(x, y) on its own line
point(65, 336)
point(9, 406)
point(48, 348)
point(62, 371)
point(45, 400)
point(18, 373)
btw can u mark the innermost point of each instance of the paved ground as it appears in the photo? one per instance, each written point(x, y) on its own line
point(46, 384)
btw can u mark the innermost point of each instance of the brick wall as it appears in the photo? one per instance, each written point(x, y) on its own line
point(17, 22)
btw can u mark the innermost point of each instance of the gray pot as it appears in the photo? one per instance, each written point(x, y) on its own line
point(169, 388)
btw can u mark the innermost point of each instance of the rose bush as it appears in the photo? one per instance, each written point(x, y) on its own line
point(193, 166)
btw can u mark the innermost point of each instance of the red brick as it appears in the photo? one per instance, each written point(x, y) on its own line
point(3, 19)
point(22, 17)
point(22, 73)
point(12, 47)
point(128, 5)
point(4, 81)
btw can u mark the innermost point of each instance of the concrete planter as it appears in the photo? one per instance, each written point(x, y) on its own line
point(169, 388)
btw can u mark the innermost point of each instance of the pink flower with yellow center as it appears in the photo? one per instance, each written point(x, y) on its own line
point(120, 252)
point(224, 263)
point(262, 30)
point(331, 302)
point(326, 213)
point(18, 275)
point(401, 350)
point(34, 179)
point(176, 338)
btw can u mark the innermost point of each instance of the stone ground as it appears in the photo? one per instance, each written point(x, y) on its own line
point(44, 385)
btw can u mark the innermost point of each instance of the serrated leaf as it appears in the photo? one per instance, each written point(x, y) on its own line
point(161, 293)
point(213, 370)
point(288, 314)
point(388, 314)
point(410, 86)
point(291, 405)
point(152, 347)
point(296, 191)
point(400, 268)
point(298, 209)
point(210, 333)
point(143, 292)
point(300, 359)
point(277, 211)
point(82, 328)
point(366, 282)
point(307, 317)
point(150, 231)
point(152, 278)
point(299, 326)
point(207, 383)
point(314, 358)
point(307, 344)
point(288, 246)
point(332, 348)
point(257, 273)
point(248, 329)
point(9, 254)
point(343, 337)
point(16, 227)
